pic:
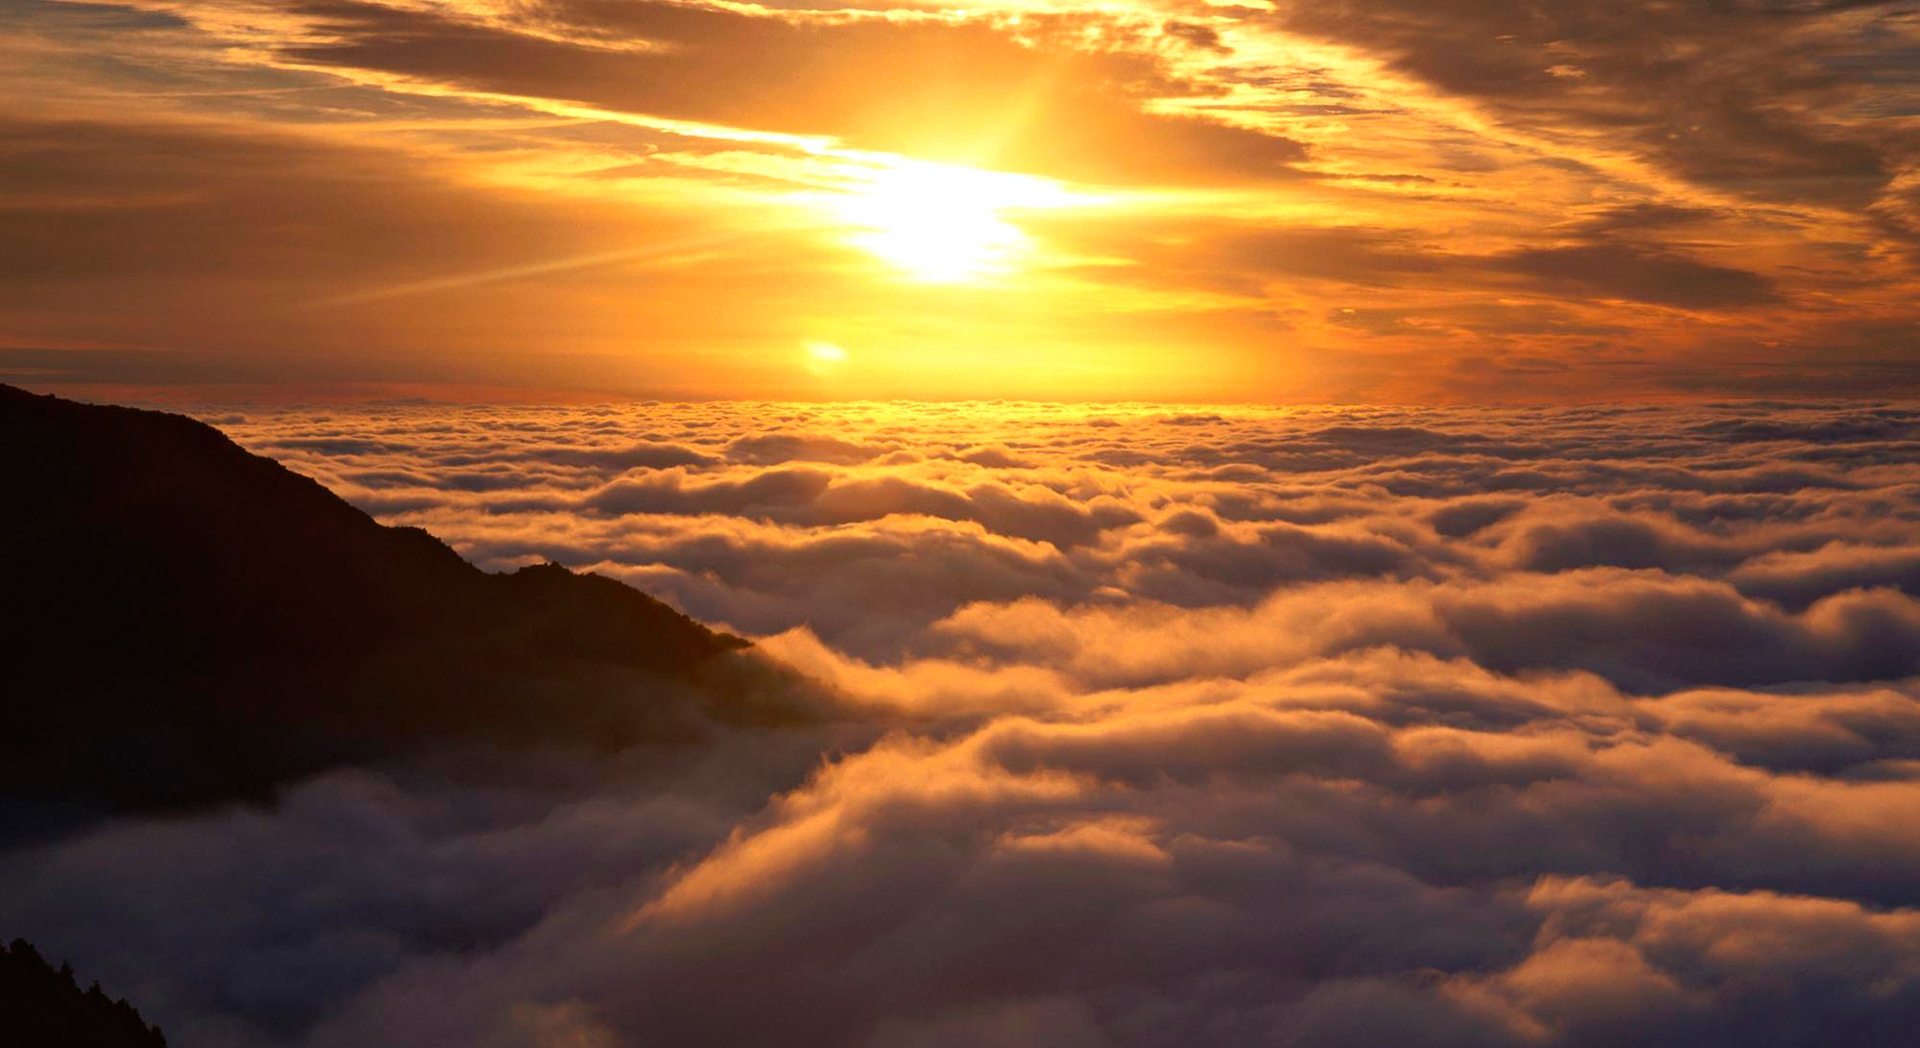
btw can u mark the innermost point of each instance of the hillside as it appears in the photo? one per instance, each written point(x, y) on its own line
point(43, 1007)
point(192, 622)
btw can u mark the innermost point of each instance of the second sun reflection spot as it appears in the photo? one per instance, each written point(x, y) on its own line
point(823, 358)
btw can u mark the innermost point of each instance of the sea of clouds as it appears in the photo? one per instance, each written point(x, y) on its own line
point(1323, 727)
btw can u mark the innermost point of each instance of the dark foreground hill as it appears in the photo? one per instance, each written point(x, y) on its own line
point(41, 1007)
point(190, 622)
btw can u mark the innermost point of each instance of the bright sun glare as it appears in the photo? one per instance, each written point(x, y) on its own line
point(941, 223)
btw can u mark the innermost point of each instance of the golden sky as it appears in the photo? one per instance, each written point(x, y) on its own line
point(1393, 200)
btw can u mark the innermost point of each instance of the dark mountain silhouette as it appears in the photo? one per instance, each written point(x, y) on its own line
point(41, 1007)
point(190, 622)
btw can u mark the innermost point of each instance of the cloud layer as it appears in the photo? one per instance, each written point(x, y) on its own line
point(1314, 727)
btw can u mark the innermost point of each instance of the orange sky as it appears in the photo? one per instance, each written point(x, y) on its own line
point(1399, 200)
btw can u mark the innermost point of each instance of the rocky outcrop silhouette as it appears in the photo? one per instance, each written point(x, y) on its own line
point(44, 1007)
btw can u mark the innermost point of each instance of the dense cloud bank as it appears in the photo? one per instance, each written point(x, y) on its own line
point(1595, 727)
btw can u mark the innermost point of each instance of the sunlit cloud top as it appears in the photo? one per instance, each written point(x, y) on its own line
point(1383, 200)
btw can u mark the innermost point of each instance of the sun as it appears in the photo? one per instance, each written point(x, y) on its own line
point(941, 223)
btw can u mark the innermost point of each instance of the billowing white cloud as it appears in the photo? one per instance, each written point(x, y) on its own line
point(1241, 727)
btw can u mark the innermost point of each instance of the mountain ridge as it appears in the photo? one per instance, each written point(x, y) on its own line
point(200, 623)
